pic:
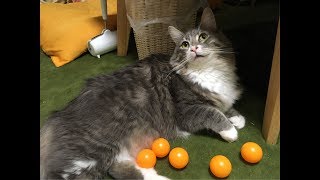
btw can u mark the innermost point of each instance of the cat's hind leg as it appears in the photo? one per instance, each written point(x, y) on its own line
point(125, 167)
point(236, 118)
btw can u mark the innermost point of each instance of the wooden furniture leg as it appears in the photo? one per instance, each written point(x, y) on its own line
point(253, 3)
point(271, 121)
point(123, 28)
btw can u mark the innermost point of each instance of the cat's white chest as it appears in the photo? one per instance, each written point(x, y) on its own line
point(218, 82)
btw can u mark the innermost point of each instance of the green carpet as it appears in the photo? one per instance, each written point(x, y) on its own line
point(252, 30)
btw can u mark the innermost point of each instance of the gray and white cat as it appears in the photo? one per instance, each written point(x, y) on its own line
point(116, 115)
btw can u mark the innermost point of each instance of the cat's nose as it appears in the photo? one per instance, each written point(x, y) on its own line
point(194, 48)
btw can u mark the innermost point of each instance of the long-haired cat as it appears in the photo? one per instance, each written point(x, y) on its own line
point(116, 115)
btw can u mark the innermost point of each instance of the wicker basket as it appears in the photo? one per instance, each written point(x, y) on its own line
point(150, 20)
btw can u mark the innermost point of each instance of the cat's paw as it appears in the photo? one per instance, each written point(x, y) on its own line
point(150, 174)
point(160, 178)
point(238, 121)
point(229, 135)
point(155, 177)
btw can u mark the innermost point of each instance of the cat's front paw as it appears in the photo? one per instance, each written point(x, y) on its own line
point(161, 178)
point(229, 135)
point(155, 177)
point(238, 121)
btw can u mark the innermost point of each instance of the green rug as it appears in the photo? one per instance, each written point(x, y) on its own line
point(60, 85)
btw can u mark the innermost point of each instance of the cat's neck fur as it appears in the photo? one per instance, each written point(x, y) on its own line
point(216, 78)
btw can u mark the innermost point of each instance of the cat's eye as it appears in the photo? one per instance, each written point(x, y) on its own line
point(184, 44)
point(203, 36)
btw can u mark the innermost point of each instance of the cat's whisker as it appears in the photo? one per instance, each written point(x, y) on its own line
point(223, 50)
point(217, 50)
point(178, 67)
point(182, 64)
point(226, 52)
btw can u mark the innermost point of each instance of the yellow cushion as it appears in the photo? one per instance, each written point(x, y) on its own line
point(65, 29)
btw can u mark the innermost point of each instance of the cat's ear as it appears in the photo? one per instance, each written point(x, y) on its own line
point(175, 34)
point(208, 21)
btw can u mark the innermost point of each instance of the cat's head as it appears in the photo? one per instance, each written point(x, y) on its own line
point(199, 45)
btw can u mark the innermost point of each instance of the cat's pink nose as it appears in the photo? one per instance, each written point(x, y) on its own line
point(194, 48)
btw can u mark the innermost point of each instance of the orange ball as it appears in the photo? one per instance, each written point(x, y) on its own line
point(251, 152)
point(178, 157)
point(146, 158)
point(220, 166)
point(160, 147)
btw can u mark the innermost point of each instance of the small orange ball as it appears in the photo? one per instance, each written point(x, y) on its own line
point(146, 158)
point(220, 166)
point(160, 147)
point(251, 152)
point(178, 157)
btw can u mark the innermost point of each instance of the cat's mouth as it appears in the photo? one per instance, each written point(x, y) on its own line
point(199, 55)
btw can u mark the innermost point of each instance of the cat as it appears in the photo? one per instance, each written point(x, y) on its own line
point(116, 115)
